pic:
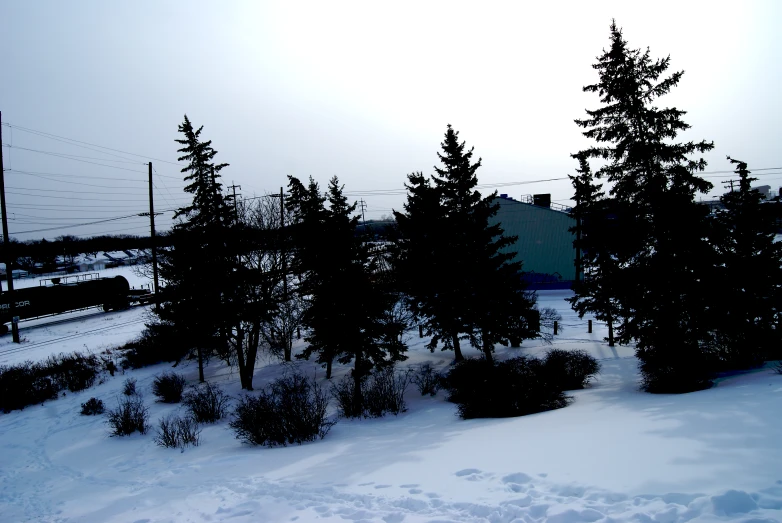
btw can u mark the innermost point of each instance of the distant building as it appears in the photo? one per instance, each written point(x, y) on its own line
point(544, 245)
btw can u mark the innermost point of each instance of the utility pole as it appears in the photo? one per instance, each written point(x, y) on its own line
point(7, 245)
point(282, 248)
point(233, 187)
point(152, 239)
point(363, 220)
point(731, 182)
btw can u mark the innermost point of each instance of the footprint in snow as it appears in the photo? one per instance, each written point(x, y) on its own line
point(409, 485)
point(366, 484)
point(518, 477)
point(382, 486)
point(467, 472)
point(415, 491)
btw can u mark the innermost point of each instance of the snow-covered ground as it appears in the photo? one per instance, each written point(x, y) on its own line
point(615, 454)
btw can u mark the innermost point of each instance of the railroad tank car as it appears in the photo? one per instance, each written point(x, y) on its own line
point(111, 293)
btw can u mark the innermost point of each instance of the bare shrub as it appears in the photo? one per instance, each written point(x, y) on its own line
point(75, 371)
point(207, 403)
point(427, 379)
point(178, 432)
point(290, 410)
point(130, 416)
point(92, 407)
point(169, 387)
point(129, 387)
point(570, 369)
point(25, 384)
point(382, 392)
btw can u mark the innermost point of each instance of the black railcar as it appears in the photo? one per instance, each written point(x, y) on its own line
point(111, 293)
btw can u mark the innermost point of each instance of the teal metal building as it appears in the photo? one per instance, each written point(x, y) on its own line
point(544, 245)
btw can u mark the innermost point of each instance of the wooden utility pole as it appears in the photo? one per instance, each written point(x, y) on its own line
point(233, 187)
point(7, 245)
point(152, 239)
point(282, 248)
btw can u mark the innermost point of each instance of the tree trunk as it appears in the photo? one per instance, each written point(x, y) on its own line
point(200, 365)
point(328, 368)
point(253, 339)
point(288, 348)
point(488, 348)
point(610, 332)
point(239, 350)
point(456, 348)
point(357, 399)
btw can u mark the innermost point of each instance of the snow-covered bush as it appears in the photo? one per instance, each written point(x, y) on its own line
point(292, 409)
point(92, 407)
point(207, 403)
point(25, 384)
point(130, 416)
point(177, 432)
point(168, 387)
point(514, 387)
point(129, 387)
point(427, 379)
point(570, 369)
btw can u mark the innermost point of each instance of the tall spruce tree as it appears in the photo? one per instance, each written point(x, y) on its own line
point(346, 309)
point(458, 278)
point(197, 266)
point(424, 264)
point(750, 291)
point(596, 236)
point(664, 257)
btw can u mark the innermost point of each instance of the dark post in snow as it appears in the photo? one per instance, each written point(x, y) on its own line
point(152, 239)
point(589, 327)
point(7, 245)
point(556, 327)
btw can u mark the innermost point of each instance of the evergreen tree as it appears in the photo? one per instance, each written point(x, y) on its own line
point(457, 277)
point(597, 233)
point(424, 264)
point(665, 258)
point(198, 266)
point(345, 308)
point(750, 292)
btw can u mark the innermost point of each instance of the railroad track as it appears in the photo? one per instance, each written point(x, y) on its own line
point(31, 346)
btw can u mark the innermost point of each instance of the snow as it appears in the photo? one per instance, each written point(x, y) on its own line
point(615, 454)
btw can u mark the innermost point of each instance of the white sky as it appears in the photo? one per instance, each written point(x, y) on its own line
point(362, 90)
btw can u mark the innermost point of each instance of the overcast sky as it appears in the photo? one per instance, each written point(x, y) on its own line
point(360, 90)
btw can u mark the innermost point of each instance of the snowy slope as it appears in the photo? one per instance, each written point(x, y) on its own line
point(615, 454)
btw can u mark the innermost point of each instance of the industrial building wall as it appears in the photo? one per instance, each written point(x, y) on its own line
point(544, 243)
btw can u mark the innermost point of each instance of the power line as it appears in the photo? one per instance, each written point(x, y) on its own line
point(69, 157)
point(125, 200)
point(78, 224)
point(76, 142)
point(34, 173)
point(77, 192)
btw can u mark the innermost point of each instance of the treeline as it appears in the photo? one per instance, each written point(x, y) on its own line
point(43, 254)
point(695, 293)
point(240, 277)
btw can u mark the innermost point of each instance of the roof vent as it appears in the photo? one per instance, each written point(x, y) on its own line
point(542, 200)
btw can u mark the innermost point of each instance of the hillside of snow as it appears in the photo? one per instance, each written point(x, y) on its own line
point(615, 454)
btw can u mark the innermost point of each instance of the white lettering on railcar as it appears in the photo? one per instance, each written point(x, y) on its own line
point(24, 303)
